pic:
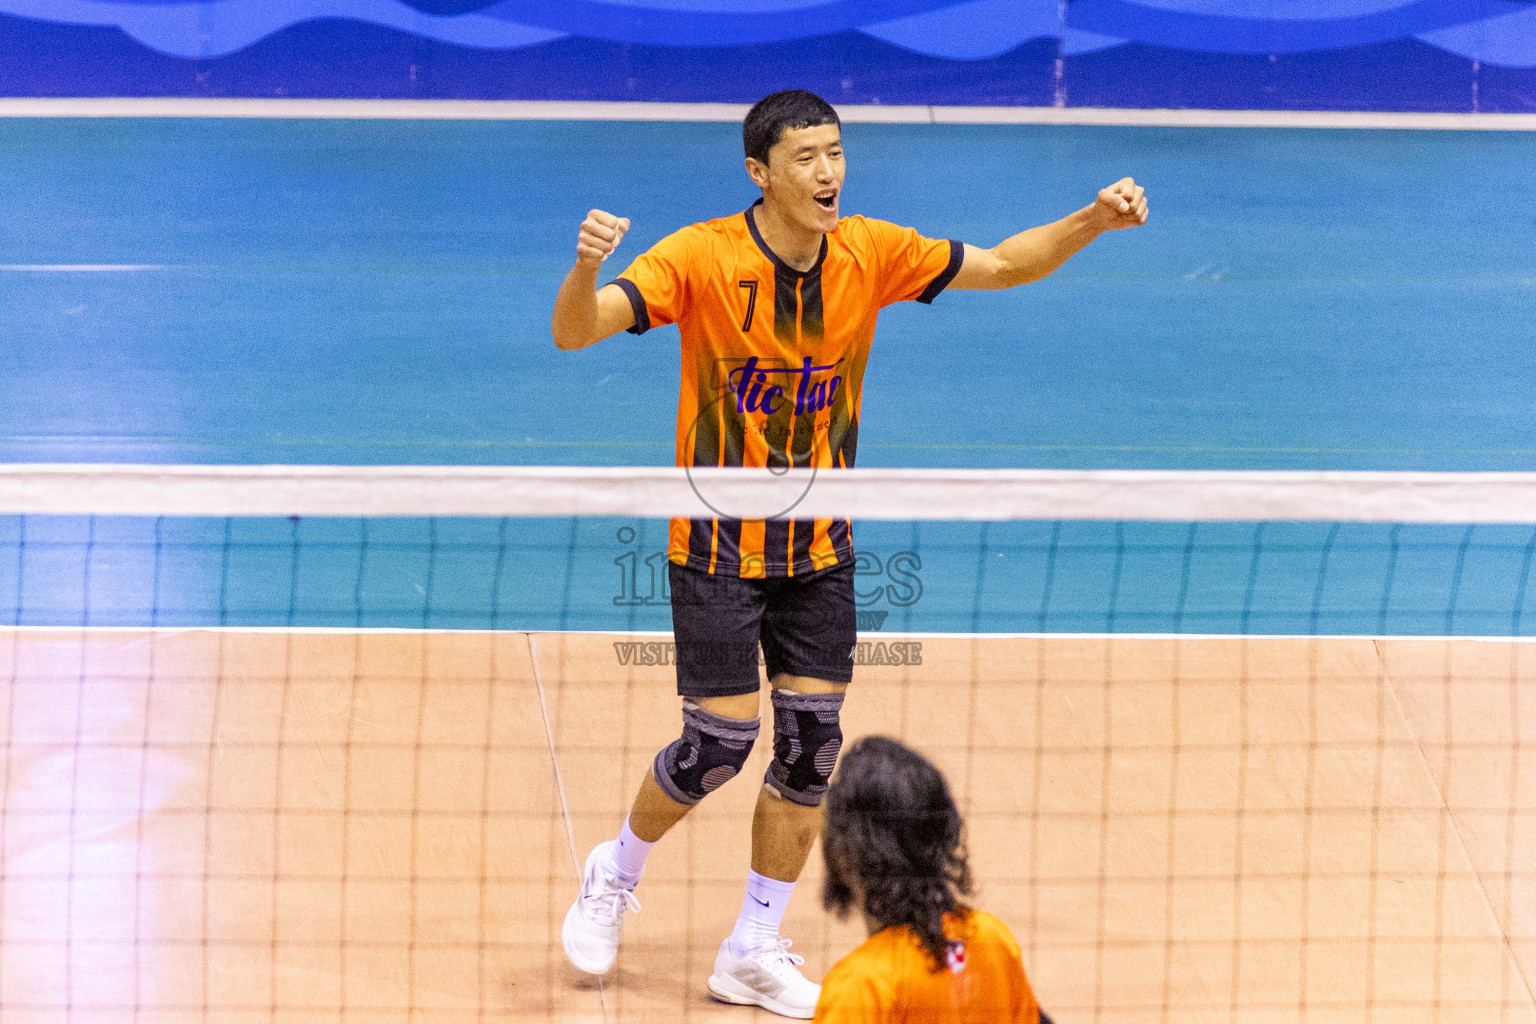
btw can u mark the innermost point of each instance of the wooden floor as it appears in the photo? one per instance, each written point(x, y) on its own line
point(244, 827)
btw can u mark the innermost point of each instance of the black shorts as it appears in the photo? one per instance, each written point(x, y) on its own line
point(805, 624)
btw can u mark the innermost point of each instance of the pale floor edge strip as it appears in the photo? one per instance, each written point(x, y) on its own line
point(662, 633)
point(581, 110)
point(565, 809)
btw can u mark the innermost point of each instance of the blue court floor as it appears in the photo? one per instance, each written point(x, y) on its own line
point(379, 292)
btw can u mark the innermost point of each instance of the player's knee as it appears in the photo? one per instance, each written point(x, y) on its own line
point(709, 753)
point(807, 735)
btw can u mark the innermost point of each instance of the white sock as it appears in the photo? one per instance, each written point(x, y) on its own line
point(626, 858)
point(762, 908)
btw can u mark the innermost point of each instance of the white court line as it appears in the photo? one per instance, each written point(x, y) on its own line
point(74, 268)
point(582, 110)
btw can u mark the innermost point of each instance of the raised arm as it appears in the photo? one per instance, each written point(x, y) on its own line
point(1033, 254)
point(585, 314)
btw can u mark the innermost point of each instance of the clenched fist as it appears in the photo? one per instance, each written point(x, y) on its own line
point(600, 234)
point(1121, 205)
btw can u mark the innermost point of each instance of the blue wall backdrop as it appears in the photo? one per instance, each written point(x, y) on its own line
point(1444, 55)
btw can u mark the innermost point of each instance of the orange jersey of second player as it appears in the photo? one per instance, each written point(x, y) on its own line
point(891, 980)
point(773, 364)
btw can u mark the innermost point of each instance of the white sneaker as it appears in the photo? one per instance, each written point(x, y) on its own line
point(767, 977)
point(595, 921)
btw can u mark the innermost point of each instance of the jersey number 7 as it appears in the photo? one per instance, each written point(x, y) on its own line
point(751, 287)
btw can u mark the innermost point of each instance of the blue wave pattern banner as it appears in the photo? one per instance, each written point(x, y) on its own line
point(1384, 54)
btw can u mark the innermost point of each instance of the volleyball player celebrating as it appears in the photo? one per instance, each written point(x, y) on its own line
point(776, 307)
point(894, 853)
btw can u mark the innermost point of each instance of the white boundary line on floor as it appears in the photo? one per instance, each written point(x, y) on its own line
point(582, 110)
point(664, 634)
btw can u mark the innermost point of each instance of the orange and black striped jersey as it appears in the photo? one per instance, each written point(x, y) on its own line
point(891, 980)
point(773, 364)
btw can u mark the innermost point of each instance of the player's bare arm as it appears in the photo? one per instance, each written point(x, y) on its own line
point(585, 314)
point(1036, 253)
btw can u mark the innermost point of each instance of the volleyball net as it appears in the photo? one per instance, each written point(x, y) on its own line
point(293, 743)
point(985, 551)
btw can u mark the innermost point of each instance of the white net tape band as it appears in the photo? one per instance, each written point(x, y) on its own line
point(899, 494)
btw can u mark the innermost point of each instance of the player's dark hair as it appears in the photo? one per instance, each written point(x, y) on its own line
point(778, 112)
point(893, 836)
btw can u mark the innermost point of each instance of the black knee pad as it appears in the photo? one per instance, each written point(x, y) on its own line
point(709, 754)
point(806, 739)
